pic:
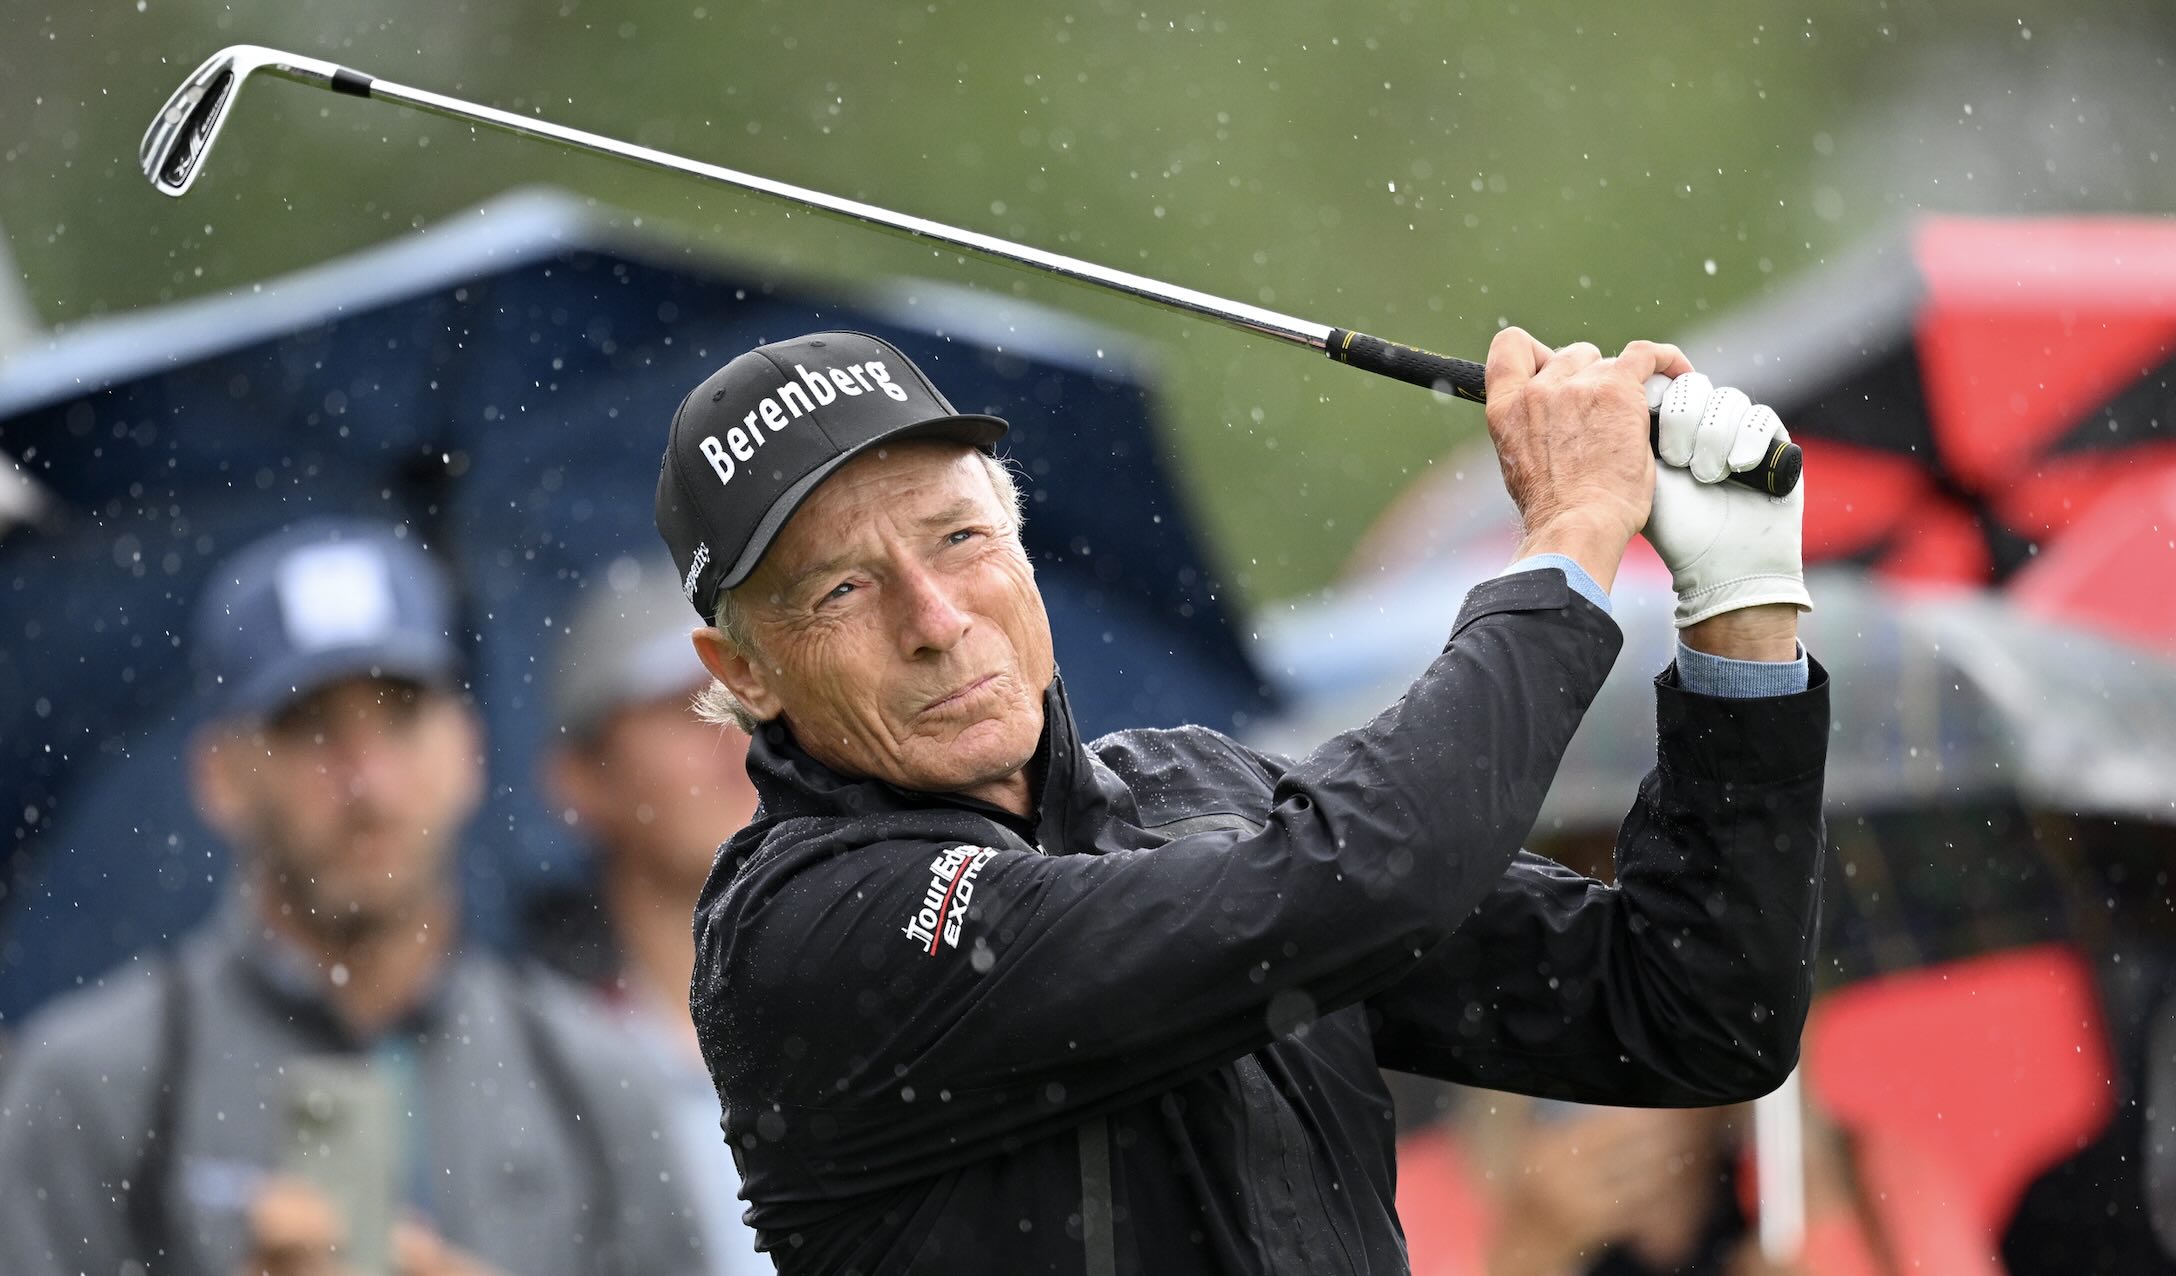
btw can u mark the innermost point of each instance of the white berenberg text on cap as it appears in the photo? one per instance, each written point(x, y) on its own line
point(789, 403)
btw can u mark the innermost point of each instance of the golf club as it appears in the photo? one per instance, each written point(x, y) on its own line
point(180, 137)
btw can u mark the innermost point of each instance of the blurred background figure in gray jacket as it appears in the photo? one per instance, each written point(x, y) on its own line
point(322, 1079)
point(652, 790)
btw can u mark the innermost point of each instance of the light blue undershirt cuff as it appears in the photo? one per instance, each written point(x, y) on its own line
point(1574, 575)
point(1706, 675)
point(1697, 671)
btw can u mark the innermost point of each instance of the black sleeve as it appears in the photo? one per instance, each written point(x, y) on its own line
point(1686, 983)
point(947, 996)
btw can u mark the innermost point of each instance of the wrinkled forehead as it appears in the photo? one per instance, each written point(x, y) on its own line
point(891, 487)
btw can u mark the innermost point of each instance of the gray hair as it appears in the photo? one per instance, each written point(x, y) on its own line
point(717, 704)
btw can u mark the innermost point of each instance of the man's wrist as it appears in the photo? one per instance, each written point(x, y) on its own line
point(1574, 575)
point(1596, 544)
point(1768, 632)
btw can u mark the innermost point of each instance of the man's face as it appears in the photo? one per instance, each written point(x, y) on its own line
point(897, 625)
point(347, 801)
point(658, 789)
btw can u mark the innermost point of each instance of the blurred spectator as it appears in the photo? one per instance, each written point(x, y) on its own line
point(655, 790)
point(1532, 1187)
point(485, 1121)
point(1618, 1190)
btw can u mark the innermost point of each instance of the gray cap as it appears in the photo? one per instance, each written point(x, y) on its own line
point(322, 601)
point(628, 644)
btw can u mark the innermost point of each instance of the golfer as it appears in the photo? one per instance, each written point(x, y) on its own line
point(981, 996)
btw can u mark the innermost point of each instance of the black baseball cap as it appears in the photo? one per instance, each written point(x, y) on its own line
point(754, 439)
point(318, 602)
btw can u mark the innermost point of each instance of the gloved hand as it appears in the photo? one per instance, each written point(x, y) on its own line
point(1727, 546)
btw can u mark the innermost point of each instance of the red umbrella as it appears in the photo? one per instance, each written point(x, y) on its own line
point(1968, 390)
point(2113, 565)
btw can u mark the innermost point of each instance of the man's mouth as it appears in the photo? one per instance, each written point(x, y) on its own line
point(960, 696)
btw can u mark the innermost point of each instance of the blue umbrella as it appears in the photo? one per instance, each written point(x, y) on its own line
point(500, 385)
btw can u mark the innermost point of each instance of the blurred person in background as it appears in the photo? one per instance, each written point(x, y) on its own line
point(1611, 1190)
point(1602, 1191)
point(654, 789)
point(145, 1123)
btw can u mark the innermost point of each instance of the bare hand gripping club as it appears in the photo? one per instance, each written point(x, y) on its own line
point(181, 136)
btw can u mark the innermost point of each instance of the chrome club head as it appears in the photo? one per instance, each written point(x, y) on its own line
point(184, 129)
point(182, 133)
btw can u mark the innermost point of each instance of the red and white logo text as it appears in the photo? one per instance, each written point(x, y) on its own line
point(945, 900)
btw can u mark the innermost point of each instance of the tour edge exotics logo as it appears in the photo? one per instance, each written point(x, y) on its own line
point(945, 899)
point(789, 403)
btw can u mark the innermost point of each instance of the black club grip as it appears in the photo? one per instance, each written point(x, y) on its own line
point(1777, 476)
point(1461, 377)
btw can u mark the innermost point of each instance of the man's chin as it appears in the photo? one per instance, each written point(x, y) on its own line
point(961, 763)
point(363, 912)
point(989, 750)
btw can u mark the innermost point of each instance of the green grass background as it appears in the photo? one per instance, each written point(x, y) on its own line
point(1426, 172)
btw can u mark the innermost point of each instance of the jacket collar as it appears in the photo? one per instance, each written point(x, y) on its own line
point(1073, 789)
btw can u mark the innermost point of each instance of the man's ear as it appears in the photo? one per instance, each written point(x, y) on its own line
point(745, 678)
point(215, 759)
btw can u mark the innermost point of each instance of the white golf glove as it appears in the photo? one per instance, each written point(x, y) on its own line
point(1727, 545)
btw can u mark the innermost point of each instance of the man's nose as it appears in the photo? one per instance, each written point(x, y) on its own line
point(369, 764)
point(932, 619)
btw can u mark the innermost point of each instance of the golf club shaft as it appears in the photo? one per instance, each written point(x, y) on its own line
point(1245, 317)
point(1778, 475)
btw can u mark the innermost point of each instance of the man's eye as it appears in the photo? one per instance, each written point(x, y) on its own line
point(960, 537)
point(840, 590)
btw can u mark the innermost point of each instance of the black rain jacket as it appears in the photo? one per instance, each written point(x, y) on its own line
point(1141, 1033)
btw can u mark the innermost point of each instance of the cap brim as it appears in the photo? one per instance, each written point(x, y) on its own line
point(974, 429)
point(431, 662)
